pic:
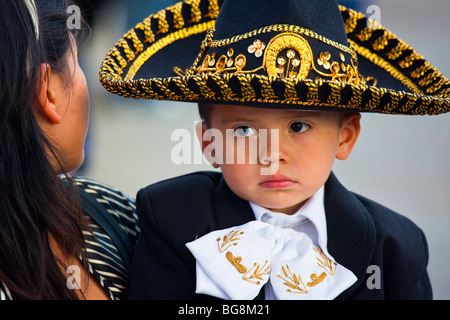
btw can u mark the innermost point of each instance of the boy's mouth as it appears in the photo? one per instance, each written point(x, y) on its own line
point(278, 181)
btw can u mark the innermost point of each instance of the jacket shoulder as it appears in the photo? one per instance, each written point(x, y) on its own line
point(401, 251)
point(390, 223)
point(192, 183)
point(167, 203)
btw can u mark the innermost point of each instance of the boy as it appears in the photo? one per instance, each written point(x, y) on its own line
point(296, 233)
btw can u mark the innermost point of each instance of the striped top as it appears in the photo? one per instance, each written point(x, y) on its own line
point(105, 263)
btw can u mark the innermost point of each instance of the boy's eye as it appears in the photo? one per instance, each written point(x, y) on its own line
point(298, 127)
point(244, 131)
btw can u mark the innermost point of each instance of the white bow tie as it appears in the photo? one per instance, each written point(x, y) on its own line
point(235, 263)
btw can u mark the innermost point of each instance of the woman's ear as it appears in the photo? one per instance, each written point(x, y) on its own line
point(45, 96)
point(349, 133)
point(205, 144)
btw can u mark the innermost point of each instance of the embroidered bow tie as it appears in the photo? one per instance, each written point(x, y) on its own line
point(235, 263)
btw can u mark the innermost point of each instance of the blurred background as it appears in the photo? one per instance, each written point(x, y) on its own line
point(401, 162)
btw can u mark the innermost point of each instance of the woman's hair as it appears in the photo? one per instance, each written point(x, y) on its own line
point(34, 201)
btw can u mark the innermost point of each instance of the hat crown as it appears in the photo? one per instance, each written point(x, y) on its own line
point(299, 39)
point(321, 16)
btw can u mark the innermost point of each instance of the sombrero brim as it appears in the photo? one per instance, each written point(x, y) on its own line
point(145, 61)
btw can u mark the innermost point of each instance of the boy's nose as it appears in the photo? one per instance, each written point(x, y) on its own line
point(273, 148)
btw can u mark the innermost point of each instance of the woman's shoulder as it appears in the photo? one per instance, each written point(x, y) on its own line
point(119, 204)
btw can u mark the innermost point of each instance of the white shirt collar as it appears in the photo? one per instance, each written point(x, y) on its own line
point(313, 211)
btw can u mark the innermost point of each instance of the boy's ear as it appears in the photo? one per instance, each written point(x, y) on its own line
point(200, 129)
point(46, 99)
point(349, 133)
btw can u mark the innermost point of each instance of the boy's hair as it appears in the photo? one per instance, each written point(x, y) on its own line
point(203, 111)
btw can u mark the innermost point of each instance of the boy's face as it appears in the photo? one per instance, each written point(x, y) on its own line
point(308, 143)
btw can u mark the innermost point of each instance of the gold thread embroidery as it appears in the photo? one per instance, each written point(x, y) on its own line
point(287, 55)
point(225, 90)
point(163, 42)
point(380, 62)
point(285, 28)
point(163, 25)
point(297, 60)
point(350, 71)
point(111, 74)
point(196, 14)
point(236, 262)
point(176, 10)
point(225, 64)
point(326, 263)
point(229, 240)
point(257, 48)
point(131, 35)
point(145, 26)
point(257, 273)
point(378, 43)
point(293, 281)
point(315, 280)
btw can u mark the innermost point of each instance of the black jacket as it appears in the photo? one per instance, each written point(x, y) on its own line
point(361, 233)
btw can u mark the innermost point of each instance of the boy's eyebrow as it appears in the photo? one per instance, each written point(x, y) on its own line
point(225, 121)
point(301, 114)
point(314, 114)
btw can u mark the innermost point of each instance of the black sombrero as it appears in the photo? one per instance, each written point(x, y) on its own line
point(298, 54)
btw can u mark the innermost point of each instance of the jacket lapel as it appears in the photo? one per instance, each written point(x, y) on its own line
point(351, 231)
point(230, 210)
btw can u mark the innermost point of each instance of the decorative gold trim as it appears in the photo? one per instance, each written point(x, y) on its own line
point(324, 262)
point(224, 64)
point(282, 42)
point(282, 28)
point(236, 262)
point(383, 64)
point(315, 280)
point(417, 74)
point(257, 273)
point(292, 281)
point(229, 240)
point(163, 42)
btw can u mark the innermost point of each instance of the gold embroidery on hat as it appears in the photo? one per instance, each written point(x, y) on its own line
point(225, 64)
point(196, 13)
point(163, 42)
point(349, 72)
point(382, 63)
point(323, 60)
point(288, 55)
point(282, 28)
point(257, 48)
point(388, 101)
